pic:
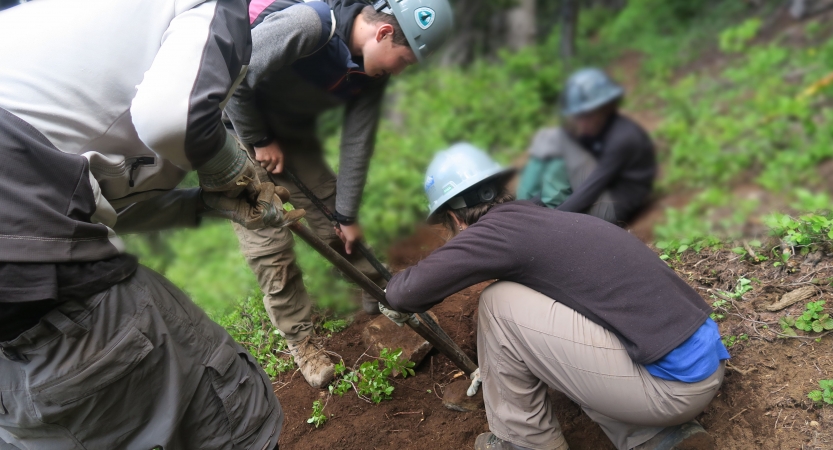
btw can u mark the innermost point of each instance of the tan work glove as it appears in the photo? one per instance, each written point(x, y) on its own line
point(265, 211)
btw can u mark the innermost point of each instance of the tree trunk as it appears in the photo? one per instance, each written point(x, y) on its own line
point(569, 23)
point(460, 48)
point(521, 25)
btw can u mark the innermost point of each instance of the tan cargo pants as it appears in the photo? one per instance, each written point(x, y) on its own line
point(270, 253)
point(136, 367)
point(526, 341)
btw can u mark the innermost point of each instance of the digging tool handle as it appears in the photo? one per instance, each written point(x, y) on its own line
point(427, 327)
point(371, 258)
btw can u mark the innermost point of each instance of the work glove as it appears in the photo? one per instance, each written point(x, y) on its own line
point(230, 171)
point(397, 317)
point(265, 211)
point(475, 383)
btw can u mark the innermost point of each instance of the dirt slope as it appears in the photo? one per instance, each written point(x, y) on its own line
point(762, 404)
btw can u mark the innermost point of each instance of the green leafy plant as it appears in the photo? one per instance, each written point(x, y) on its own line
point(742, 287)
point(735, 39)
point(753, 244)
point(804, 232)
point(335, 325)
point(824, 394)
point(730, 341)
point(249, 325)
point(813, 319)
point(372, 379)
point(719, 305)
point(318, 417)
point(394, 362)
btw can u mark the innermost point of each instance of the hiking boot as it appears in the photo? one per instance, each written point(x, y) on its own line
point(488, 441)
point(313, 360)
point(688, 436)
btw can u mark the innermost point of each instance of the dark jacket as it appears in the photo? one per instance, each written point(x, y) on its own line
point(627, 168)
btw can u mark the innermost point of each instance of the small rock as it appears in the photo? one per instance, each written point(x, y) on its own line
point(455, 398)
point(381, 333)
point(814, 424)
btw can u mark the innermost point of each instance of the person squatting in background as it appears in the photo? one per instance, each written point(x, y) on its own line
point(580, 306)
point(310, 57)
point(600, 163)
point(104, 107)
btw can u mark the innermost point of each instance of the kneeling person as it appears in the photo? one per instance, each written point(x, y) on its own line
point(580, 306)
point(601, 163)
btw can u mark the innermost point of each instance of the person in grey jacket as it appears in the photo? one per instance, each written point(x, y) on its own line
point(310, 57)
point(104, 104)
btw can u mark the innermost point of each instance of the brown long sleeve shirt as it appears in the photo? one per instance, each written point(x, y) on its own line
point(593, 267)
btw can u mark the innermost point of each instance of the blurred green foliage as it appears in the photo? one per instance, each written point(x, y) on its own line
point(763, 122)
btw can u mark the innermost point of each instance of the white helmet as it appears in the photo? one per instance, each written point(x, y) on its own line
point(453, 173)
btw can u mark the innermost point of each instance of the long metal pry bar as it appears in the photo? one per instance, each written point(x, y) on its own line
point(427, 327)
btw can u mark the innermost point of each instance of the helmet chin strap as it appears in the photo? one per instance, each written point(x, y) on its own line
point(472, 197)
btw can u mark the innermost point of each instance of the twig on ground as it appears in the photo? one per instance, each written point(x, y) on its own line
point(736, 415)
point(740, 371)
point(408, 412)
point(776, 419)
point(749, 250)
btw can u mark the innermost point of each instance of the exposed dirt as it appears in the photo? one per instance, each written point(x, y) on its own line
point(762, 405)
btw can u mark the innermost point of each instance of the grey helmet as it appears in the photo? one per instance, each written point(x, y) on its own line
point(454, 171)
point(588, 89)
point(427, 24)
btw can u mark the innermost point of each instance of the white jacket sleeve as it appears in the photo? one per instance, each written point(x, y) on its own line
point(177, 107)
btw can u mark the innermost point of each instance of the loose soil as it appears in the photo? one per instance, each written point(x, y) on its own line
point(762, 404)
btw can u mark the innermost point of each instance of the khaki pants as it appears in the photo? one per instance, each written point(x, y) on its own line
point(527, 341)
point(269, 251)
point(137, 366)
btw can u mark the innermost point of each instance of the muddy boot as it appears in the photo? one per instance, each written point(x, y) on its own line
point(688, 436)
point(369, 304)
point(313, 361)
point(488, 441)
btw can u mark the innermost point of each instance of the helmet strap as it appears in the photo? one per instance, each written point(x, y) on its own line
point(472, 197)
point(382, 6)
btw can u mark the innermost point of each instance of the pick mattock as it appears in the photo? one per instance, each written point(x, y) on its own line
point(427, 327)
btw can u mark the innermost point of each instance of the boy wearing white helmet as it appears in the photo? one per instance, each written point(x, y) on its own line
point(601, 163)
point(310, 57)
point(579, 305)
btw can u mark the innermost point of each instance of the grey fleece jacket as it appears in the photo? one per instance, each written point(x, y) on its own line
point(275, 100)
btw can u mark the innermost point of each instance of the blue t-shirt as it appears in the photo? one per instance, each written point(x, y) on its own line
point(695, 359)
